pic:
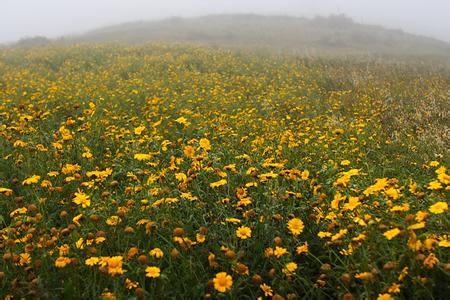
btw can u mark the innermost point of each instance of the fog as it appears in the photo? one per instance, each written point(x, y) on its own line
point(53, 18)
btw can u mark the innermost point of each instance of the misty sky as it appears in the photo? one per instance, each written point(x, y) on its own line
point(52, 18)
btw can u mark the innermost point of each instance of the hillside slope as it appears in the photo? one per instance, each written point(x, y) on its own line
point(332, 34)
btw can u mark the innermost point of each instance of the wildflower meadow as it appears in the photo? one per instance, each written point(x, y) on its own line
point(173, 171)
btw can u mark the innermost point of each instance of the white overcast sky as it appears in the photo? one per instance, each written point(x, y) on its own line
point(52, 18)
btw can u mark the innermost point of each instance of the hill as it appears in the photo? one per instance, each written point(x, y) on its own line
point(334, 34)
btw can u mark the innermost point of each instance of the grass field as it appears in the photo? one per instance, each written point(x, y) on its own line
point(160, 172)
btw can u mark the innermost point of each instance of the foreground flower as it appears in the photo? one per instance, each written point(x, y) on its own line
point(434, 185)
point(61, 262)
point(290, 268)
point(115, 265)
point(366, 276)
point(218, 183)
point(91, 261)
point(108, 295)
point(205, 144)
point(17, 211)
point(156, 252)
point(82, 199)
point(223, 282)
point(31, 180)
point(243, 232)
point(438, 207)
point(302, 249)
point(390, 234)
point(25, 259)
point(6, 192)
point(142, 156)
point(130, 284)
point(266, 289)
point(384, 297)
point(296, 226)
point(431, 261)
point(279, 251)
point(152, 272)
point(139, 130)
point(345, 162)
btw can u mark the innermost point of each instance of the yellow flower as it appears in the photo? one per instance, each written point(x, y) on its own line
point(305, 175)
point(416, 226)
point(302, 249)
point(434, 163)
point(290, 268)
point(241, 269)
point(366, 276)
point(390, 234)
point(181, 177)
point(441, 170)
point(152, 272)
point(205, 144)
point(444, 178)
point(323, 234)
point(19, 143)
point(108, 296)
point(81, 199)
point(421, 215)
point(403, 273)
point(62, 261)
point(183, 120)
point(189, 151)
point(444, 243)
point(64, 250)
point(218, 183)
point(345, 162)
point(279, 251)
point(434, 185)
point(113, 220)
point(77, 219)
point(394, 288)
point(233, 220)
point(65, 133)
point(6, 192)
point(393, 193)
point(339, 235)
point(100, 239)
point(139, 130)
point(266, 289)
point(268, 252)
point(142, 156)
point(46, 183)
point(296, 226)
point(200, 238)
point(223, 282)
point(114, 265)
point(353, 202)
point(438, 207)
point(384, 297)
point(130, 284)
point(156, 252)
point(70, 168)
point(91, 261)
point(266, 176)
point(31, 180)
point(25, 259)
point(380, 184)
point(430, 261)
point(243, 232)
point(17, 211)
